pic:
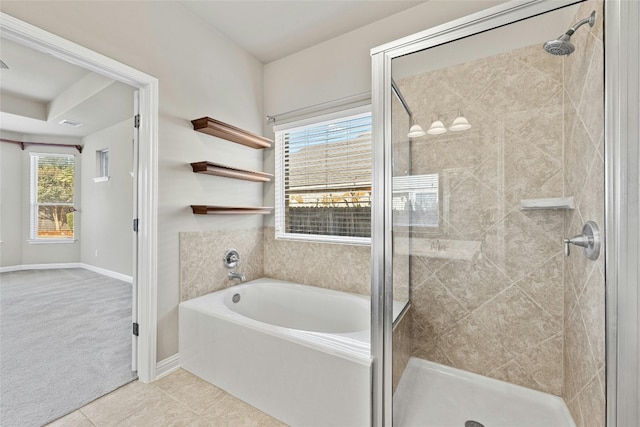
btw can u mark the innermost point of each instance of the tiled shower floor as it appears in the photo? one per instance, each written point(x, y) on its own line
point(433, 395)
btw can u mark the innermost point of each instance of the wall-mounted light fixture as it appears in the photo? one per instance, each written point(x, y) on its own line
point(437, 127)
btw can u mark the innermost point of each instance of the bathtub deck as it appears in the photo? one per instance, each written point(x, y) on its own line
point(434, 395)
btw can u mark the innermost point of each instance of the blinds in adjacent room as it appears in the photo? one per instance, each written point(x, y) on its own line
point(323, 179)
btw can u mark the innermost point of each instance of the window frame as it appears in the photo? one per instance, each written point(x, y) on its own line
point(33, 199)
point(279, 207)
point(102, 165)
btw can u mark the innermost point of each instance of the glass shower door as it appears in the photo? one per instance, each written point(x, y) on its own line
point(509, 164)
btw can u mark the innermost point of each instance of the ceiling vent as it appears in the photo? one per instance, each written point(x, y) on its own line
point(67, 122)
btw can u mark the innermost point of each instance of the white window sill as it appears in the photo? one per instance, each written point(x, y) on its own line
point(315, 238)
point(101, 179)
point(50, 241)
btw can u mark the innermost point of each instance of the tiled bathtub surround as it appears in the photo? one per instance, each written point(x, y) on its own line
point(343, 268)
point(201, 268)
point(497, 309)
point(584, 315)
point(339, 267)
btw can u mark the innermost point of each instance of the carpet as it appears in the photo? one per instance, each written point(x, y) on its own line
point(65, 340)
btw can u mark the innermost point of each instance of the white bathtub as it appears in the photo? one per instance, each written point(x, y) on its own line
point(298, 353)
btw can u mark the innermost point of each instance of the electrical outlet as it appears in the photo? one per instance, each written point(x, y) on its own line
point(96, 252)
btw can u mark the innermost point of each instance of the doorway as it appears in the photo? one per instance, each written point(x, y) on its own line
point(145, 197)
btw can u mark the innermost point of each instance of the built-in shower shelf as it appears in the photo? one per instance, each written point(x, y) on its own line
point(548, 203)
point(230, 133)
point(211, 168)
point(229, 210)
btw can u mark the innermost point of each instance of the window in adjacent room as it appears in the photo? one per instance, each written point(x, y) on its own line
point(102, 165)
point(323, 178)
point(52, 195)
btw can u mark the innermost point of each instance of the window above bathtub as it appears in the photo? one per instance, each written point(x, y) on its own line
point(323, 178)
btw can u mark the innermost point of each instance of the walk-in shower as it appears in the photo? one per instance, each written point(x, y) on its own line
point(478, 218)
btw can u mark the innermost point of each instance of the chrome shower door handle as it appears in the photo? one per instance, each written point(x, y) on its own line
point(589, 240)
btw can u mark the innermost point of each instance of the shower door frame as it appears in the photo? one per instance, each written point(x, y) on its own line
point(621, 211)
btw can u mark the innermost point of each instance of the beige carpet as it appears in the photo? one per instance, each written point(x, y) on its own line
point(65, 340)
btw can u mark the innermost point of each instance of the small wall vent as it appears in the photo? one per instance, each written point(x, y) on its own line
point(67, 122)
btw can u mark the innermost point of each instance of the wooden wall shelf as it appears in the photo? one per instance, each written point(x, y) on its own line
point(226, 210)
point(231, 133)
point(211, 168)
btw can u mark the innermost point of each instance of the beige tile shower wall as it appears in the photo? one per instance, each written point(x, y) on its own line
point(402, 346)
point(487, 283)
point(201, 268)
point(584, 313)
point(339, 267)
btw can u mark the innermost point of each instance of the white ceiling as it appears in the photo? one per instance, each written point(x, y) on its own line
point(38, 91)
point(273, 29)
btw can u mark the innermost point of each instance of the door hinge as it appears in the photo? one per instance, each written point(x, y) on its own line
point(136, 329)
point(135, 224)
point(136, 121)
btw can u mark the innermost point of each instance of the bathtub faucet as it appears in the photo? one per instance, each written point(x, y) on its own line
point(233, 275)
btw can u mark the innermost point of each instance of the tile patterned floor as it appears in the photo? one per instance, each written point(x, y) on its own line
point(179, 399)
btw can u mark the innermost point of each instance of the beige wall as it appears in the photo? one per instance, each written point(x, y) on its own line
point(107, 207)
point(11, 215)
point(584, 315)
point(16, 205)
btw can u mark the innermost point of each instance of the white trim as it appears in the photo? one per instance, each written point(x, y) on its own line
point(53, 266)
point(323, 238)
point(353, 113)
point(105, 272)
point(50, 241)
point(622, 213)
point(167, 366)
point(323, 118)
point(324, 107)
point(26, 34)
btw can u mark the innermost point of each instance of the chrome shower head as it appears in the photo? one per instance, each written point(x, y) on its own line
point(562, 45)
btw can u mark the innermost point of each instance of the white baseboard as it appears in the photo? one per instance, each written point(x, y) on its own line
point(167, 366)
point(40, 266)
point(95, 269)
point(107, 273)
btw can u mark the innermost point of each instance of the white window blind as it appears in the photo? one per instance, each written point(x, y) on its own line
point(323, 179)
point(52, 195)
